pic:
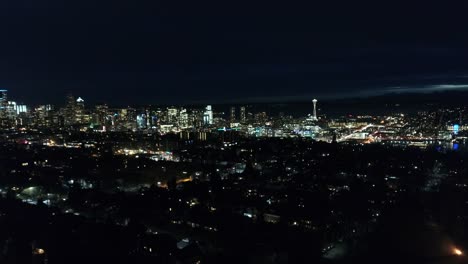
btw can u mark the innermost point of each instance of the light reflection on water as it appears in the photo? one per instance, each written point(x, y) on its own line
point(453, 146)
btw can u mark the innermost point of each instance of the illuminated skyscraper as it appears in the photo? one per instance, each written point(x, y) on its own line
point(242, 114)
point(21, 108)
point(141, 121)
point(43, 115)
point(208, 115)
point(183, 118)
point(148, 118)
point(314, 116)
point(131, 118)
point(79, 112)
point(172, 115)
point(100, 115)
point(197, 118)
point(11, 110)
point(3, 104)
point(74, 112)
point(233, 114)
point(69, 111)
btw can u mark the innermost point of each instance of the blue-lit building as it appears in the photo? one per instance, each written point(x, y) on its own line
point(456, 128)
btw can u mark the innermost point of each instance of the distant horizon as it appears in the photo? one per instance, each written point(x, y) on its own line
point(325, 97)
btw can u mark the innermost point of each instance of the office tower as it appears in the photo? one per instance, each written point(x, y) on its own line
point(3, 104)
point(131, 122)
point(69, 111)
point(314, 117)
point(79, 112)
point(101, 114)
point(3, 96)
point(172, 115)
point(141, 121)
point(11, 110)
point(196, 118)
point(208, 115)
point(20, 108)
point(157, 117)
point(233, 114)
point(120, 118)
point(43, 116)
point(183, 118)
point(154, 118)
point(148, 118)
point(22, 114)
point(242, 114)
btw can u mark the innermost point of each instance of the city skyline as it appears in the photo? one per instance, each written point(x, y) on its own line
point(188, 175)
point(396, 125)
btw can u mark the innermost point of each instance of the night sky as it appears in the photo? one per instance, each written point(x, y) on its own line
point(149, 52)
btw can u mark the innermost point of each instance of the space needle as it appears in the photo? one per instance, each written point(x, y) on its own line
point(314, 117)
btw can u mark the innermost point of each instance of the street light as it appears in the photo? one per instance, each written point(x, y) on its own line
point(457, 252)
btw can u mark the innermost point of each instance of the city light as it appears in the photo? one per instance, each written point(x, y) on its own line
point(170, 149)
point(39, 251)
point(457, 252)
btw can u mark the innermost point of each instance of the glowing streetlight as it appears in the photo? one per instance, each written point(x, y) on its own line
point(38, 251)
point(457, 252)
